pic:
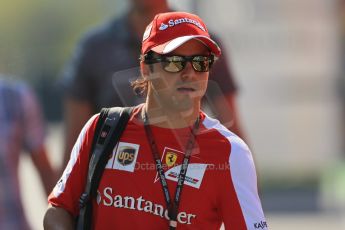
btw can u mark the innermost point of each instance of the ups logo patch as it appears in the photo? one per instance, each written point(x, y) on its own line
point(126, 155)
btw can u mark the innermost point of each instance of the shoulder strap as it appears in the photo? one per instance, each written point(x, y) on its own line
point(111, 124)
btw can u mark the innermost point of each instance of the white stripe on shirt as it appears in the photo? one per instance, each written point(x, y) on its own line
point(243, 174)
point(60, 186)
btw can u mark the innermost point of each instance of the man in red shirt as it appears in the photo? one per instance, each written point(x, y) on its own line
point(174, 167)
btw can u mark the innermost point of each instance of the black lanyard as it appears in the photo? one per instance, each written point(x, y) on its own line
point(172, 206)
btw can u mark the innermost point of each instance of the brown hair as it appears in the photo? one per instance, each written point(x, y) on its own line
point(140, 85)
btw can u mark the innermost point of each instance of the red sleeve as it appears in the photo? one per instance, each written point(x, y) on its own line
point(71, 185)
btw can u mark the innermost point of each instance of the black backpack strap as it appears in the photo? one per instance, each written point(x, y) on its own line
point(111, 124)
point(102, 116)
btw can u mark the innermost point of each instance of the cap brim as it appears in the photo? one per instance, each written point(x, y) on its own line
point(171, 45)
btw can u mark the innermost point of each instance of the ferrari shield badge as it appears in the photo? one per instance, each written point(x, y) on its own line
point(170, 159)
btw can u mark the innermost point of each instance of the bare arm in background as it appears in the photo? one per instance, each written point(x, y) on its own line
point(46, 172)
point(58, 219)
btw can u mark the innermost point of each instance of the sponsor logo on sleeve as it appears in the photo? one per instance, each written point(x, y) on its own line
point(260, 225)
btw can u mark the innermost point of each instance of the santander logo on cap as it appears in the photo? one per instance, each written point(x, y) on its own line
point(172, 23)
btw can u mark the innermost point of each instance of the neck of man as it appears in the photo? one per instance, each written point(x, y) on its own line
point(168, 117)
point(140, 17)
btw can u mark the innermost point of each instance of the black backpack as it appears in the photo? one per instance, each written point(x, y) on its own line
point(111, 124)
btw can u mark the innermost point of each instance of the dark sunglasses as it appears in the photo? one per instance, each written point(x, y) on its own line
point(176, 63)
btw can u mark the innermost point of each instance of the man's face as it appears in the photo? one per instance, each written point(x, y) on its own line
point(182, 90)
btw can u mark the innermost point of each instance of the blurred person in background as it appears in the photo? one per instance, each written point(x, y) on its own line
point(21, 125)
point(114, 47)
